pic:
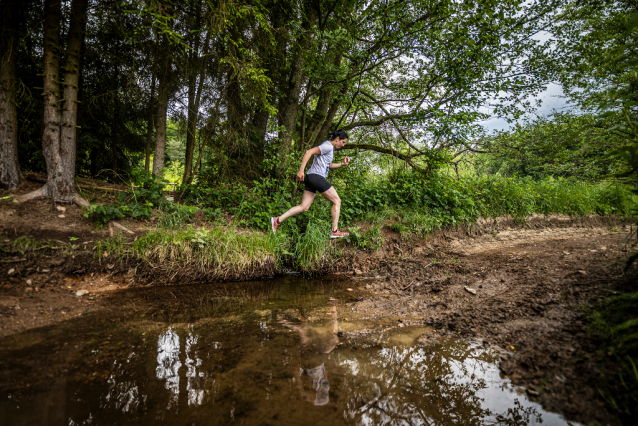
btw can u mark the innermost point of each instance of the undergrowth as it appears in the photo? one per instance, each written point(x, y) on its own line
point(407, 202)
point(614, 321)
point(426, 203)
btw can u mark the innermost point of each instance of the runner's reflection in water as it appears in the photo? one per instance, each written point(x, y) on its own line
point(315, 343)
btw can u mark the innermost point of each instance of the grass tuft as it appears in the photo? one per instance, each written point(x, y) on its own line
point(216, 253)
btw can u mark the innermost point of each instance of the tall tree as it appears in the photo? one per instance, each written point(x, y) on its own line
point(60, 124)
point(10, 175)
point(149, 129)
point(165, 17)
point(196, 72)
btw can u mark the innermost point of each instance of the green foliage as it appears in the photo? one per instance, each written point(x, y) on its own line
point(173, 174)
point(369, 239)
point(415, 224)
point(212, 214)
point(177, 216)
point(102, 213)
point(562, 145)
point(146, 190)
point(614, 321)
point(136, 203)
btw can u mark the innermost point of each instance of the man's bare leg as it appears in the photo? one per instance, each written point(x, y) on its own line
point(306, 201)
point(332, 196)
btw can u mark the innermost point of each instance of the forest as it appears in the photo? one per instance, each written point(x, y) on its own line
point(170, 133)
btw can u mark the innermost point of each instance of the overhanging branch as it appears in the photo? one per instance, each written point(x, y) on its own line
point(389, 151)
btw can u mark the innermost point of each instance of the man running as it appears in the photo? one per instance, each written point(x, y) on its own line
point(316, 180)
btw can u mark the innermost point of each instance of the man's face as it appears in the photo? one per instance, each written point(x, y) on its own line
point(340, 143)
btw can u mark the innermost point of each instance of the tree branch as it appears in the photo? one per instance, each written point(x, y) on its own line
point(389, 151)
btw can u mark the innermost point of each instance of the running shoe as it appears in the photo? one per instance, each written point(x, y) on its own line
point(274, 224)
point(338, 234)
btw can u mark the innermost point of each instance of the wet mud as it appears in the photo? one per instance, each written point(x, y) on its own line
point(521, 290)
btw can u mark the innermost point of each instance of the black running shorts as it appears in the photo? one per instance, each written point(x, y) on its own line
point(314, 183)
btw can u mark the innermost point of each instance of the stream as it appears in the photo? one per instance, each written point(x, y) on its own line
point(278, 352)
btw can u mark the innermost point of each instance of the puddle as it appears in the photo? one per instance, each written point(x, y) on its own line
point(274, 353)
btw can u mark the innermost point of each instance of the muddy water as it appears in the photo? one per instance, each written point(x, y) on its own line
point(280, 353)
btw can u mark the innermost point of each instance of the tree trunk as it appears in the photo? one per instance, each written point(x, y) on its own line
point(52, 117)
point(194, 95)
point(193, 112)
point(190, 127)
point(60, 127)
point(149, 130)
point(162, 94)
point(290, 105)
point(160, 129)
point(198, 164)
point(10, 176)
point(114, 136)
point(327, 123)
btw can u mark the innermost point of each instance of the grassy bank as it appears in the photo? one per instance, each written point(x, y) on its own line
point(217, 253)
point(235, 240)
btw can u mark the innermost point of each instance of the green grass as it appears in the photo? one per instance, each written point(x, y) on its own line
point(411, 204)
point(312, 248)
point(217, 252)
point(466, 200)
point(112, 246)
point(26, 244)
point(498, 196)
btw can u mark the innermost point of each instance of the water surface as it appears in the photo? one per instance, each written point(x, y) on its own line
point(263, 353)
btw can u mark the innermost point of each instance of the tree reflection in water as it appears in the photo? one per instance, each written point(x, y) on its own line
point(248, 369)
point(169, 364)
point(196, 380)
point(423, 386)
point(251, 374)
point(451, 383)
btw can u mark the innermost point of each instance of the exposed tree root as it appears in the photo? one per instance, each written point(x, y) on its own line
point(80, 201)
point(43, 192)
point(33, 195)
point(124, 228)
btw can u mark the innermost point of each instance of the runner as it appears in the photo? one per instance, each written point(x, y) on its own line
point(316, 180)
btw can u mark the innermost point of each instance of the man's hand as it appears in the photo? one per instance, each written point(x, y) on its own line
point(300, 176)
point(346, 161)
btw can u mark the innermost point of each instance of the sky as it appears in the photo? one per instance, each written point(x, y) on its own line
point(552, 99)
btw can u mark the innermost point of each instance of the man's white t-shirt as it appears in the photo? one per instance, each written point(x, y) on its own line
point(321, 164)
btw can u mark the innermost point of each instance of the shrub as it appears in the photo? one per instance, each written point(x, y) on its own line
point(177, 215)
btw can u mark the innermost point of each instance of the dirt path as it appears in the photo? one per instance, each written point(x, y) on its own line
point(530, 285)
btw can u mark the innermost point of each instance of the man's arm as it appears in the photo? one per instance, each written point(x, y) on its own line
point(306, 158)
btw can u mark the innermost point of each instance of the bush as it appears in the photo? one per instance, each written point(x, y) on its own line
point(176, 216)
point(136, 203)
